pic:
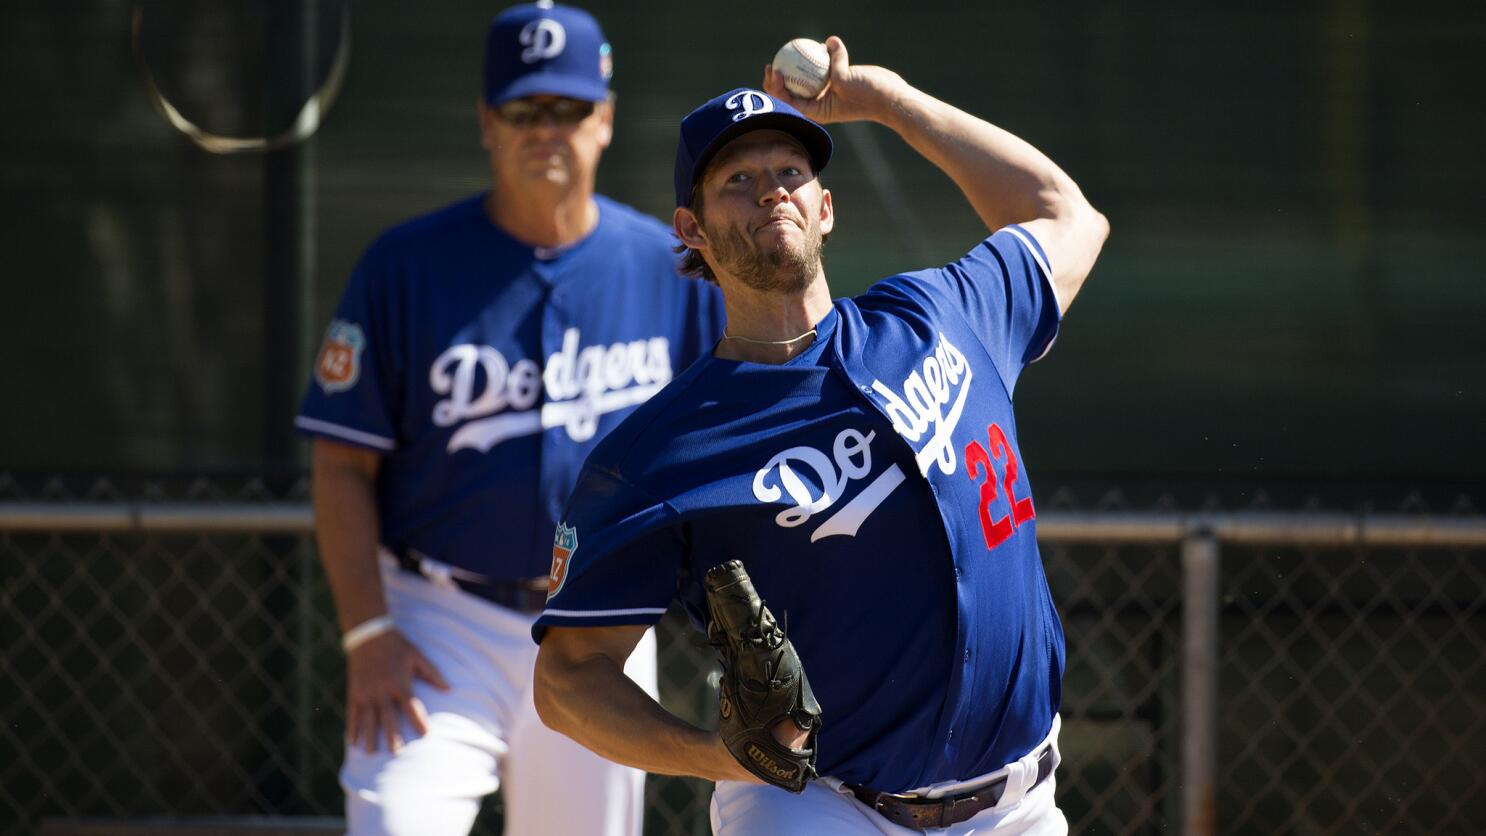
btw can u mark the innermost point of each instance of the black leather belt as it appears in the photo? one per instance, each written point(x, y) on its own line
point(921, 813)
point(526, 596)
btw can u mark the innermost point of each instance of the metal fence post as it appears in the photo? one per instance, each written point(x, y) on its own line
point(304, 645)
point(1199, 682)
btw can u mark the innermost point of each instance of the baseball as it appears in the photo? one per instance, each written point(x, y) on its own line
point(805, 67)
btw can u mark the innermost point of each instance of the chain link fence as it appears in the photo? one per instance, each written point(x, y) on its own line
point(182, 665)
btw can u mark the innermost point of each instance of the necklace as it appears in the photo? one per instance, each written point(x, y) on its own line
point(790, 341)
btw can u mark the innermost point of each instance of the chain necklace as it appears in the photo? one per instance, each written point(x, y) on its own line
point(790, 341)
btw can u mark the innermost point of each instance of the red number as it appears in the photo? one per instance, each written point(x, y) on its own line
point(977, 459)
point(995, 532)
point(1021, 509)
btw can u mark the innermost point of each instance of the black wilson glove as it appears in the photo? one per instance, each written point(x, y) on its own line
point(762, 683)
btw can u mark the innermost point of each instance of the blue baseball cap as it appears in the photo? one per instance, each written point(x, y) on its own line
point(721, 120)
point(542, 47)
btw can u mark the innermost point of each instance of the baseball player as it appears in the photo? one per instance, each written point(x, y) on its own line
point(860, 458)
point(477, 356)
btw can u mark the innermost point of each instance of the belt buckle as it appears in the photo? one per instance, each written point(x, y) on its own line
point(903, 798)
point(437, 572)
point(951, 803)
point(916, 806)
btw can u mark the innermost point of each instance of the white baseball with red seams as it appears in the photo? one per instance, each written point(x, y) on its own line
point(805, 67)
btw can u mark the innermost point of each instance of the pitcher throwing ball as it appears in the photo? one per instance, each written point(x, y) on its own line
point(860, 458)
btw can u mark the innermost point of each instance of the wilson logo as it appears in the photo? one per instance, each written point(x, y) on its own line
point(768, 764)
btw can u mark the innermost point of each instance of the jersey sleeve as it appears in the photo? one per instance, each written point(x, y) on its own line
point(615, 556)
point(353, 394)
point(1004, 288)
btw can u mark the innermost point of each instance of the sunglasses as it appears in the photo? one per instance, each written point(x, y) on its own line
point(524, 112)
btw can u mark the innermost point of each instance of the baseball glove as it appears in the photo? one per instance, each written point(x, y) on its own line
point(762, 683)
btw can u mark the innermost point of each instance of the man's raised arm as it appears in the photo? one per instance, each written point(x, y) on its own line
point(1005, 179)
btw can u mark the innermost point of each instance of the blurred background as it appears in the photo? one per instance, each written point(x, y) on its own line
point(1290, 317)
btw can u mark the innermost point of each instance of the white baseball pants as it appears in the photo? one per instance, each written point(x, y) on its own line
point(484, 733)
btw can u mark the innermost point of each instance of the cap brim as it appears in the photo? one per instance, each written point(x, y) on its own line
point(551, 84)
point(813, 137)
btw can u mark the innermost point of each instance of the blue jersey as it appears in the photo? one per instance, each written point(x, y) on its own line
point(485, 371)
point(874, 490)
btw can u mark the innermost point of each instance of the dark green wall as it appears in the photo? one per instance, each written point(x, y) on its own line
point(1292, 291)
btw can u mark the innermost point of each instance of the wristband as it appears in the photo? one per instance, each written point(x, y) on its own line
point(366, 631)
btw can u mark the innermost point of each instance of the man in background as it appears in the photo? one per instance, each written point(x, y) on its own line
point(478, 354)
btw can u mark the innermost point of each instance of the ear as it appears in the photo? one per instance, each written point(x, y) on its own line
point(487, 125)
point(827, 212)
point(606, 123)
point(689, 228)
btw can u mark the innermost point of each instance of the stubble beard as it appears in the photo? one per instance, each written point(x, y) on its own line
point(779, 268)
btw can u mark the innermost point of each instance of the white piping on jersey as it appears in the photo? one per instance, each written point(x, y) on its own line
point(1048, 273)
point(605, 613)
point(580, 417)
point(347, 433)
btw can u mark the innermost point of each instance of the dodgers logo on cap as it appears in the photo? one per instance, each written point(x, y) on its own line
point(543, 38)
point(749, 102)
point(546, 49)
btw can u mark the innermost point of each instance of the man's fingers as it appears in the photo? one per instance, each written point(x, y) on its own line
point(426, 671)
point(371, 726)
point(823, 107)
point(417, 715)
point(836, 48)
point(391, 727)
point(788, 733)
point(375, 717)
point(353, 727)
point(773, 86)
point(361, 726)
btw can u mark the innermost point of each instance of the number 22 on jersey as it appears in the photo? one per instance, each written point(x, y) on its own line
point(977, 459)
